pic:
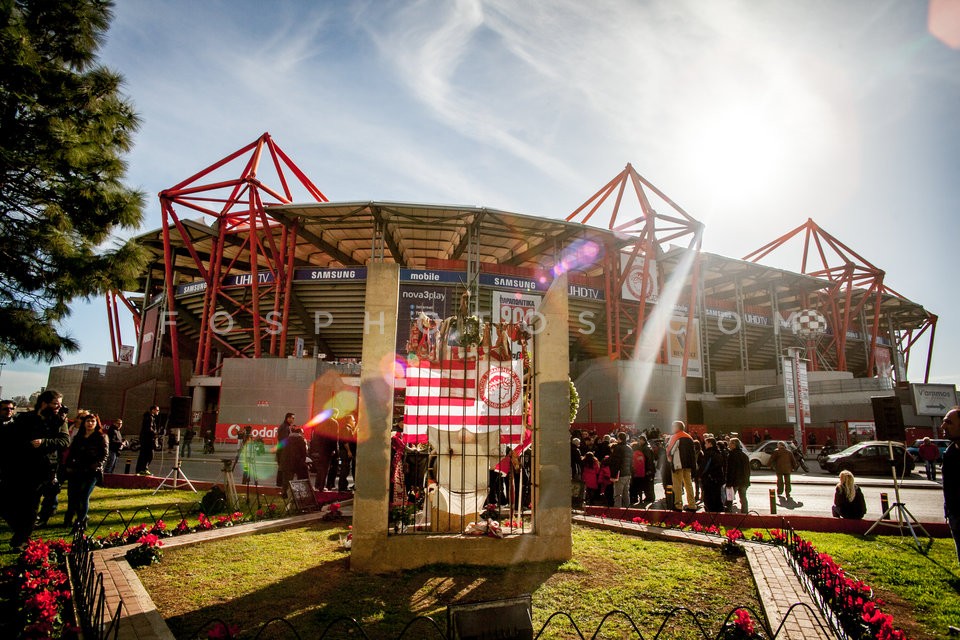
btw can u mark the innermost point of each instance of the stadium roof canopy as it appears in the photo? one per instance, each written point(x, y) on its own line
point(426, 236)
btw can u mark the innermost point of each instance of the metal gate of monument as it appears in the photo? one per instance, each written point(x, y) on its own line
point(465, 458)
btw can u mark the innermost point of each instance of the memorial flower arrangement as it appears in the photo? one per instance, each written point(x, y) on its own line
point(333, 512)
point(731, 546)
point(229, 520)
point(740, 627)
point(147, 552)
point(44, 590)
point(222, 631)
point(402, 514)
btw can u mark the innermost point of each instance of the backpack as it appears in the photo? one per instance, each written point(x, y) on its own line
point(213, 501)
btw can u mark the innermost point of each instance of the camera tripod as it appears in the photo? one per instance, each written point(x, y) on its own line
point(904, 519)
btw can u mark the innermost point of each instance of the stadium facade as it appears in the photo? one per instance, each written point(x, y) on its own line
point(255, 303)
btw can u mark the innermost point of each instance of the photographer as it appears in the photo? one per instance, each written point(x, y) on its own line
point(149, 430)
point(32, 451)
point(117, 444)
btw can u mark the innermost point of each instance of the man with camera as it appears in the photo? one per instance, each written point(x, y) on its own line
point(149, 429)
point(34, 443)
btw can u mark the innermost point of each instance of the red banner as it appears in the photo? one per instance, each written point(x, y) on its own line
point(230, 432)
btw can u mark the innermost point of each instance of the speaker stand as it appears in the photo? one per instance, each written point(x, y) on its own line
point(176, 473)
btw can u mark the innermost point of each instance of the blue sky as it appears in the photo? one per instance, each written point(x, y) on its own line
point(752, 116)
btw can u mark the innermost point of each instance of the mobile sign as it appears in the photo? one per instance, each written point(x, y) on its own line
point(933, 399)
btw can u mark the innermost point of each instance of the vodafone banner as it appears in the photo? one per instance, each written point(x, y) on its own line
point(230, 432)
point(633, 283)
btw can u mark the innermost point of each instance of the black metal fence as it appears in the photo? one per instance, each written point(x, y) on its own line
point(560, 622)
point(89, 596)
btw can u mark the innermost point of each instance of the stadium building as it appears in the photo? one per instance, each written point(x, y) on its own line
point(255, 303)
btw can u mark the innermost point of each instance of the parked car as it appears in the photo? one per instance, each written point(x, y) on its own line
point(760, 456)
point(871, 458)
point(941, 444)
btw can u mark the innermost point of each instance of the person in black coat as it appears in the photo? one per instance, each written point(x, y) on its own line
point(31, 454)
point(950, 473)
point(738, 471)
point(84, 467)
point(149, 429)
point(712, 476)
point(293, 456)
point(848, 500)
point(283, 432)
point(115, 444)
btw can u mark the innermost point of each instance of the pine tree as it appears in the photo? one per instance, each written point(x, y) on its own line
point(64, 129)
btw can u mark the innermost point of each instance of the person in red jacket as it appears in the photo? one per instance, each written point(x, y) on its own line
point(591, 477)
point(929, 453)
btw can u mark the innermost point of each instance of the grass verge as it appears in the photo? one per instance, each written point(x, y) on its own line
point(921, 591)
point(302, 575)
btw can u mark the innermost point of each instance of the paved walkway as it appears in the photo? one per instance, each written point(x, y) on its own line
point(777, 584)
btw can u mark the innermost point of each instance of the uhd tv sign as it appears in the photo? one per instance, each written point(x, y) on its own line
point(933, 399)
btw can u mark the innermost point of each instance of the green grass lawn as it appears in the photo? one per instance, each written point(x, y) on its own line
point(302, 571)
point(922, 591)
point(301, 574)
point(103, 507)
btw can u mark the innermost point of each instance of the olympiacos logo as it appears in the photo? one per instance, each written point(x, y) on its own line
point(500, 387)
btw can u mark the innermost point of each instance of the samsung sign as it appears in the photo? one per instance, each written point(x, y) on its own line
point(330, 275)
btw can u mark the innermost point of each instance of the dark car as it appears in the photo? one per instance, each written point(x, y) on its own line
point(871, 458)
point(914, 450)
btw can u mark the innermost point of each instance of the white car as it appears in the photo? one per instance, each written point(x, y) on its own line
point(760, 457)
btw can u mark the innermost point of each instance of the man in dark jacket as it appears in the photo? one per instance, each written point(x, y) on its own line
point(115, 441)
point(621, 471)
point(32, 451)
point(148, 438)
point(950, 472)
point(323, 448)
point(283, 432)
point(293, 456)
point(738, 471)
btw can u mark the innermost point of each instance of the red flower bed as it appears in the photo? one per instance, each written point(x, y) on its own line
point(852, 601)
point(44, 590)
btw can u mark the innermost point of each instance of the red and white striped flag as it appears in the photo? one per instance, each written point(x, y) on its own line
point(479, 395)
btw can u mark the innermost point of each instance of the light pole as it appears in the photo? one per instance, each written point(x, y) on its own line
point(3, 363)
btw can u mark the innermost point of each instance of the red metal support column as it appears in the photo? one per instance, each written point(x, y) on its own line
point(288, 285)
point(933, 334)
point(111, 318)
point(245, 229)
point(170, 291)
point(648, 233)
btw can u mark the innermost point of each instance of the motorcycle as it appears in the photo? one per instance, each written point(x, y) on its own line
point(826, 451)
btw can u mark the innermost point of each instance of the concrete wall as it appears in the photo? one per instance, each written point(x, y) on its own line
point(373, 549)
point(283, 384)
point(119, 391)
point(650, 395)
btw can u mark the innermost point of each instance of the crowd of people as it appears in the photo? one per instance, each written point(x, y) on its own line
point(43, 449)
point(331, 449)
point(619, 470)
point(709, 471)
